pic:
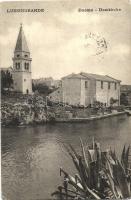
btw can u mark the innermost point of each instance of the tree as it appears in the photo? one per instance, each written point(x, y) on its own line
point(6, 80)
point(33, 87)
point(9, 79)
point(41, 88)
point(3, 80)
point(124, 99)
point(113, 101)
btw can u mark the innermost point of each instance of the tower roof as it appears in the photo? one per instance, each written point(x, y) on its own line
point(21, 44)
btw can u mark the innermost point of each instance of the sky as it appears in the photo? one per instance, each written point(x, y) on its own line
point(63, 41)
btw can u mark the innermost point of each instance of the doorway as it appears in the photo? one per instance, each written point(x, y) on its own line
point(27, 91)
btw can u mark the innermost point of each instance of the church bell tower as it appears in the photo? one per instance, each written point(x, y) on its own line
point(22, 65)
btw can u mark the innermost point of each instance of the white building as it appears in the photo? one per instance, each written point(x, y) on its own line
point(85, 88)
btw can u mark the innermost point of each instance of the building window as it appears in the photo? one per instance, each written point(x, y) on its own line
point(86, 84)
point(115, 86)
point(18, 55)
point(17, 65)
point(24, 79)
point(109, 86)
point(26, 56)
point(26, 66)
point(101, 84)
point(27, 91)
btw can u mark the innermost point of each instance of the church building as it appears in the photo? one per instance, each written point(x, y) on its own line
point(22, 65)
point(85, 89)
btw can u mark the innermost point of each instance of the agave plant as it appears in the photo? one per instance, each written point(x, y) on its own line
point(101, 175)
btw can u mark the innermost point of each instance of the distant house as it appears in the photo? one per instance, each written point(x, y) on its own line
point(85, 89)
point(57, 95)
point(125, 96)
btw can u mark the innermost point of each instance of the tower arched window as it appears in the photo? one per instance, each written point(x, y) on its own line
point(26, 66)
point(17, 65)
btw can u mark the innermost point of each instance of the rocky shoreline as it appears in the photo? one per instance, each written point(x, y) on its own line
point(25, 113)
point(34, 110)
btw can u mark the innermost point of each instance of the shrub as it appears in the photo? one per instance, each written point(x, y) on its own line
point(101, 175)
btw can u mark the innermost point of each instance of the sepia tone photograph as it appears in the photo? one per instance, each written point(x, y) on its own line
point(65, 69)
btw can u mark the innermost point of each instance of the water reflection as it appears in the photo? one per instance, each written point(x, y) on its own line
point(32, 156)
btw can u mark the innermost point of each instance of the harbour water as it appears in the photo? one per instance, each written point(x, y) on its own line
point(32, 156)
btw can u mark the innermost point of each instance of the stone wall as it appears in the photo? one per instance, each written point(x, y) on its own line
point(104, 95)
point(17, 85)
point(78, 91)
point(27, 83)
point(90, 92)
point(22, 82)
point(57, 95)
point(71, 90)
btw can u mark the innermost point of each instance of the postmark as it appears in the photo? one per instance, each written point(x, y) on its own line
point(96, 44)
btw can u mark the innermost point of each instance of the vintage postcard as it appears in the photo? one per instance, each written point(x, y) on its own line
point(65, 99)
